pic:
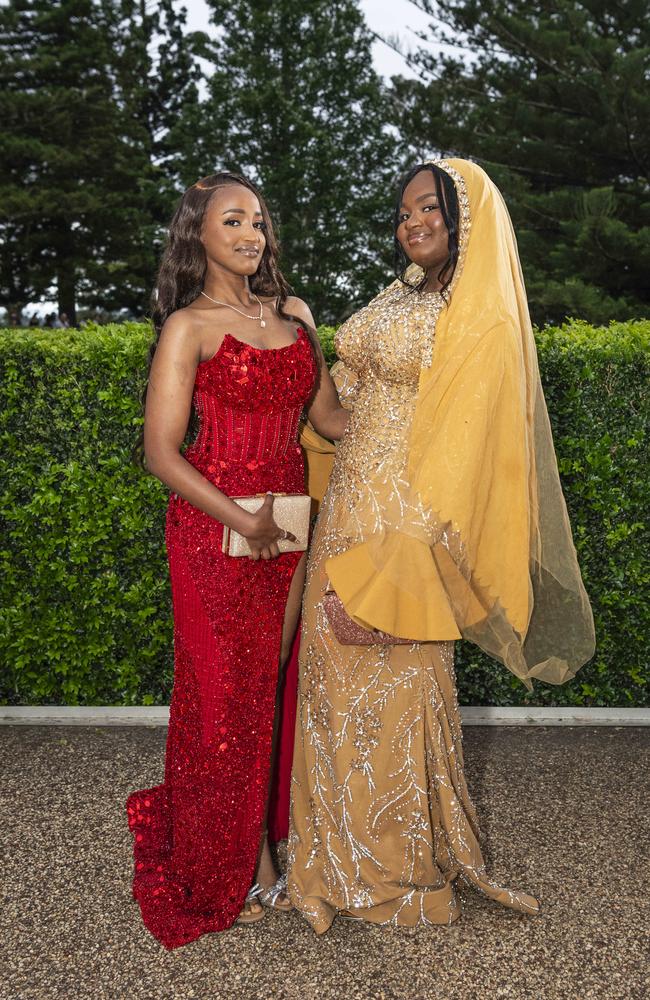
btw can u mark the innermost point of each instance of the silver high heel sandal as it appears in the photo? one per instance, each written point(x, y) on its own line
point(271, 897)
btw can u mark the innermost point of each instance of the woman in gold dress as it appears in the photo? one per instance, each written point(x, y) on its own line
point(443, 518)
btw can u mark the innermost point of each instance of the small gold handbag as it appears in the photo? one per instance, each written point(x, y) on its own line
point(291, 513)
point(347, 632)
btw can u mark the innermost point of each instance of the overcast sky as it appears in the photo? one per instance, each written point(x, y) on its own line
point(386, 17)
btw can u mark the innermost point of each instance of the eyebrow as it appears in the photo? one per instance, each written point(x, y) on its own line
point(238, 211)
point(421, 197)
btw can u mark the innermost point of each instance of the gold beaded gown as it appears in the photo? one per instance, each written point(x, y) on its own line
point(381, 819)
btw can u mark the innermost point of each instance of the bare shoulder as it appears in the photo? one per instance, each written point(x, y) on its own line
point(298, 307)
point(181, 335)
point(184, 325)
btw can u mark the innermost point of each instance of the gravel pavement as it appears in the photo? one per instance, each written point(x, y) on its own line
point(564, 815)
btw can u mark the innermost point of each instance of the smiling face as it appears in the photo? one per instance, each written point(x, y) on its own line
point(233, 230)
point(421, 228)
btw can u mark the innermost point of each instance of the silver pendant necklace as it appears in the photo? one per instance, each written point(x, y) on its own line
point(218, 302)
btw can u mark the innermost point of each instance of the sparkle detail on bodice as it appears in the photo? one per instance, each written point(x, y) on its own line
point(381, 349)
point(249, 401)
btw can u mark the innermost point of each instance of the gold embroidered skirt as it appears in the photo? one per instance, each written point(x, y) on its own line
point(381, 820)
point(382, 824)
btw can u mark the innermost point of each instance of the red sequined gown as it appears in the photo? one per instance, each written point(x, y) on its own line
point(197, 835)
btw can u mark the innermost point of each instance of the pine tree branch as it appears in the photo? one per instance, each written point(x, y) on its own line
point(495, 25)
point(392, 43)
point(498, 53)
point(642, 167)
point(527, 50)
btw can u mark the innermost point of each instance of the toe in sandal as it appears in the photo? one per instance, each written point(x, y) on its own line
point(250, 917)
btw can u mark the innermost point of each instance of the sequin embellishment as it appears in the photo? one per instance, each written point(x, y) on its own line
point(381, 820)
point(196, 836)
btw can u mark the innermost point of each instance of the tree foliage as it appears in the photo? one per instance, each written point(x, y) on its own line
point(85, 175)
point(551, 97)
point(107, 111)
point(296, 104)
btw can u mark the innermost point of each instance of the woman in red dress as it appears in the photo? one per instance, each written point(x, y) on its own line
point(235, 347)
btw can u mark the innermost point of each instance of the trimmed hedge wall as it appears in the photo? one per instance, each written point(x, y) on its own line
point(85, 599)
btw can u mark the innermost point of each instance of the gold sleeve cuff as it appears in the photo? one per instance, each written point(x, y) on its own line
point(405, 598)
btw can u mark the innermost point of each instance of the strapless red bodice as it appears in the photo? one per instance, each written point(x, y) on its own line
point(249, 403)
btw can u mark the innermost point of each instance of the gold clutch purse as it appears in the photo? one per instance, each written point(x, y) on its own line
point(291, 512)
point(347, 632)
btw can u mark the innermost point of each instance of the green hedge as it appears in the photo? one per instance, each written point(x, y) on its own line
point(86, 612)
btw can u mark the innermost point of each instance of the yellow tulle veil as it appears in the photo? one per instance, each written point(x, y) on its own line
point(474, 540)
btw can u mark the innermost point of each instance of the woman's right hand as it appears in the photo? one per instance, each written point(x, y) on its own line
point(263, 534)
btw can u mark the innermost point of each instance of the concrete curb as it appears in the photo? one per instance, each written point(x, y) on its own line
point(474, 715)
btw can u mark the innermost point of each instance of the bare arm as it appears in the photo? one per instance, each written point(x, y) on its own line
point(324, 410)
point(167, 413)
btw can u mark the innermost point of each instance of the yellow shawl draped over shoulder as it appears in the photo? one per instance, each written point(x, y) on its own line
point(477, 542)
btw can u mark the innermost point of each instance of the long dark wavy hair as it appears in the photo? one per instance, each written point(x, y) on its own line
point(183, 267)
point(448, 201)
